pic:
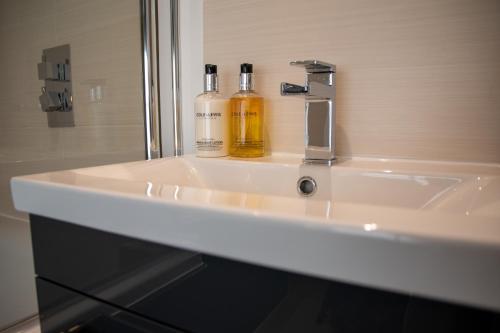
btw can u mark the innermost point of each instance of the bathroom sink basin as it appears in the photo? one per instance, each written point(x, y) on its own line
point(430, 228)
point(337, 184)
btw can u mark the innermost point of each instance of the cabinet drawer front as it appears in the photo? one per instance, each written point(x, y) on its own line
point(184, 289)
point(201, 293)
point(114, 268)
point(63, 310)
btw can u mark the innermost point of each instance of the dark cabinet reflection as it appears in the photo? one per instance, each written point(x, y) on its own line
point(92, 281)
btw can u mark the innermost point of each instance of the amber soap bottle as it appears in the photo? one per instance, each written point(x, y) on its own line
point(247, 118)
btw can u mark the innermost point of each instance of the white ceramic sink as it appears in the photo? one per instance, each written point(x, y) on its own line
point(414, 226)
point(337, 184)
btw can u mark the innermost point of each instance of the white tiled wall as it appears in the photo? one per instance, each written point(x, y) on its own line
point(105, 52)
point(17, 288)
point(104, 36)
point(416, 79)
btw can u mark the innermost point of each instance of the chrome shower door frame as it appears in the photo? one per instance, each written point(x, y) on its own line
point(151, 82)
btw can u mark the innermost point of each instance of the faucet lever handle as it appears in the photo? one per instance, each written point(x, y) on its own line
point(292, 89)
point(315, 66)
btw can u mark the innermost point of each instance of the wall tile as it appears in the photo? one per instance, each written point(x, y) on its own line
point(416, 79)
point(105, 41)
point(105, 44)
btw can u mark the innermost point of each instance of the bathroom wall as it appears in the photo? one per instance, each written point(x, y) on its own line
point(416, 79)
point(105, 41)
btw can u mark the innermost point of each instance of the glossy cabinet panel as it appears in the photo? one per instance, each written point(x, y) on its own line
point(116, 269)
point(63, 310)
point(201, 293)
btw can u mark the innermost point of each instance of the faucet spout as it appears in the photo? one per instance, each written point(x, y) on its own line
point(319, 93)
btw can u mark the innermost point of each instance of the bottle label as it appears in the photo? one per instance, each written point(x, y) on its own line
point(245, 138)
point(208, 115)
point(211, 127)
point(247, 120)
point(244, 114)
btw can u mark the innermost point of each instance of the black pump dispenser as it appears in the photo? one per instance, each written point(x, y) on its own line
point(210, 78)
point(210, 69)
point(246, 68)
point(246, 77)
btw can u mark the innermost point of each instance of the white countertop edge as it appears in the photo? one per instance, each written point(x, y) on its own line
point(464, 274)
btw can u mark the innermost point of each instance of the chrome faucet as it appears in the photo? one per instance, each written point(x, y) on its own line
point(319, 92)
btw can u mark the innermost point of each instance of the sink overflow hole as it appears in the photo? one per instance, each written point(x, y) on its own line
point(306, 186)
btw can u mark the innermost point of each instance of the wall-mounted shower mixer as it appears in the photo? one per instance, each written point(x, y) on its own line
point(57, 93)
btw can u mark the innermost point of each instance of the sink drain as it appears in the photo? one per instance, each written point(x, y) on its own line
point(306, 186)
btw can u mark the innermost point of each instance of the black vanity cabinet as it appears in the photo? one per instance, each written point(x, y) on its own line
point(64, 310)
point(93, 281)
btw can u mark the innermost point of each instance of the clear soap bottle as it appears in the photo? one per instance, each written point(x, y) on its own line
point(247, 118)
point(211, 118)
